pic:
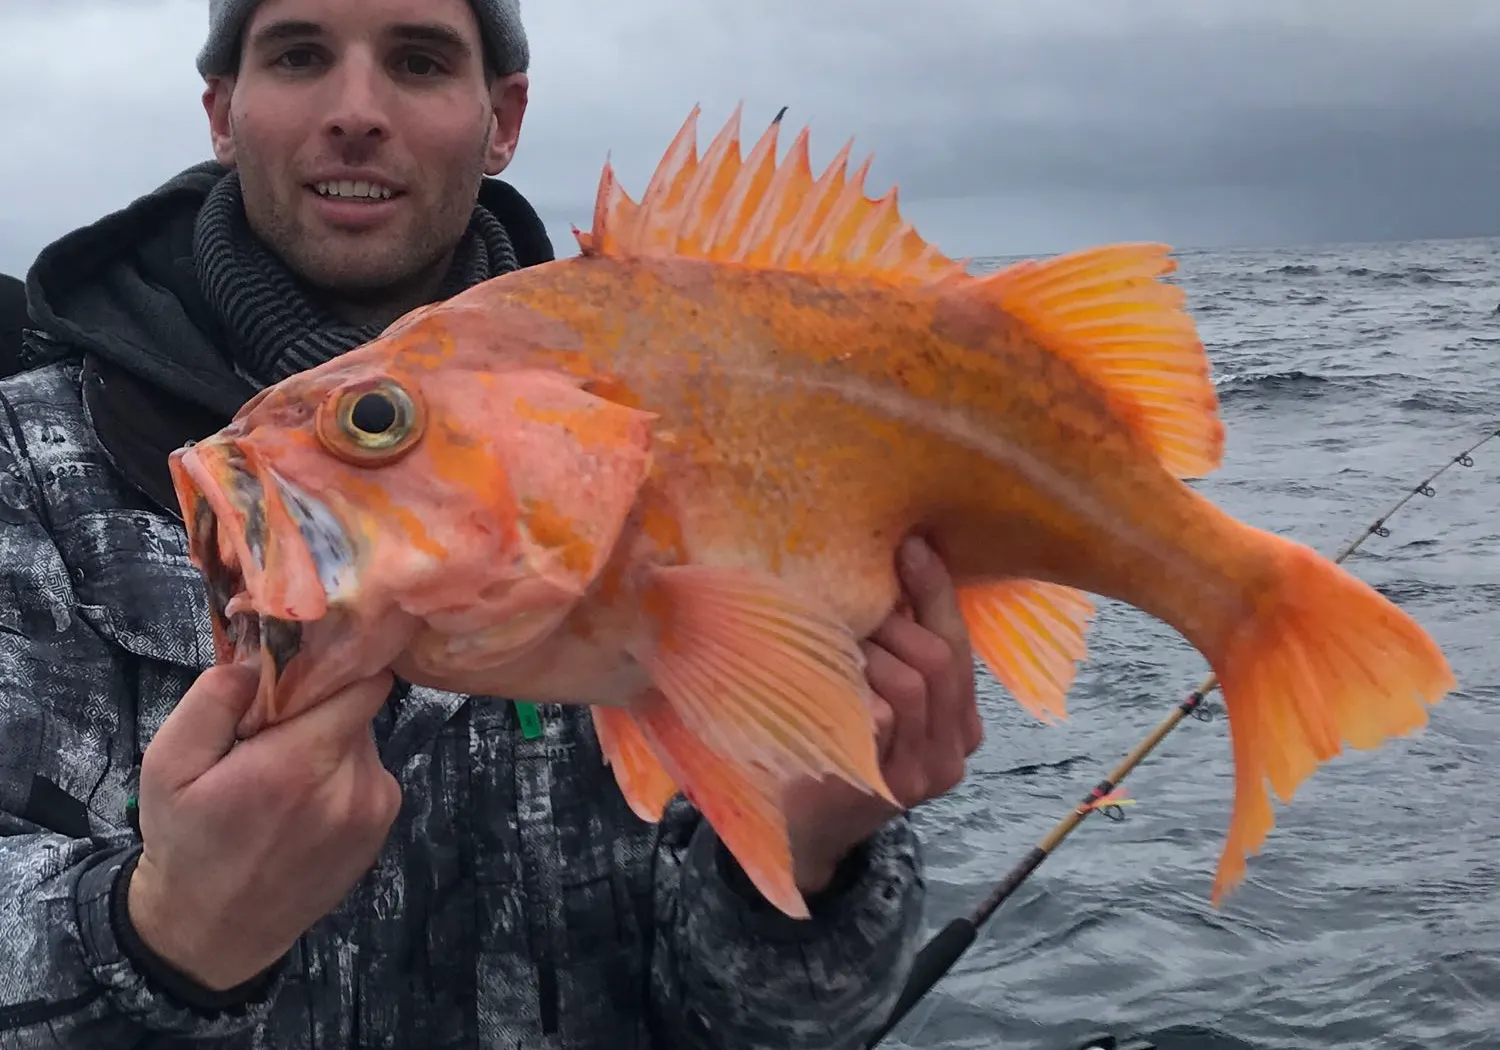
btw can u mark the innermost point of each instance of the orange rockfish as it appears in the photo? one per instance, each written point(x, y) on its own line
point(667, 478)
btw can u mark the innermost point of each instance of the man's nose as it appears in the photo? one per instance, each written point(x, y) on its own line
point(359, 112)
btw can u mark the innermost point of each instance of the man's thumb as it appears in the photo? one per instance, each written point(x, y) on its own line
point(346, 714)
point(201, 728)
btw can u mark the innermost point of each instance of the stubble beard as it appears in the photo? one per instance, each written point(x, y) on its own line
point(375, 283)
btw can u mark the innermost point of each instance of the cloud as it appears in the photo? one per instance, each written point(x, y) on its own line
point(1009, 125)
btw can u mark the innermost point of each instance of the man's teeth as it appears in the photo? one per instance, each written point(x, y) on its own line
point(355, 189)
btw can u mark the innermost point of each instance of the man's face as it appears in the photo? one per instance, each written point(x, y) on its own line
point(361, 130)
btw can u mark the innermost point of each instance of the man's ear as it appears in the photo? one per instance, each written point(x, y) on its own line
point(216, 96)
point(508, 96)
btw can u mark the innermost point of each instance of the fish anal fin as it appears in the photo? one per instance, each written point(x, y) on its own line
point(644, 782)
point(760, 674)
point(761, 213)
point(1105, 311)
point(742, 803)
point(1031, 635)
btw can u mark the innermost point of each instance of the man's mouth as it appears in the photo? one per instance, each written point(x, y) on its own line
point(354, 190)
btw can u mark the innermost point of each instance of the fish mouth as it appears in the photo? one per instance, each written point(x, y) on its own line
point(273, 559)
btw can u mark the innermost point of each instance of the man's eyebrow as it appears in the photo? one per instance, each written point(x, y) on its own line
point(284, 30)
point(437, 33)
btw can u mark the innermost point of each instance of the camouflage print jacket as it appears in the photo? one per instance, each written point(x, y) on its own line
point(518, 903)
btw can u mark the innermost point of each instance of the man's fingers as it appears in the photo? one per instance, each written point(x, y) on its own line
point(973, 726)
point(346, 715)
point(922, 649)
point(881, 712)
point(200, 731)
point(901, 687)
point(934, 600)
point(903, 692)
point(946, 676)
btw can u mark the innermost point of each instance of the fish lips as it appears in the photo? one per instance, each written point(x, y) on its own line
point(260, 576)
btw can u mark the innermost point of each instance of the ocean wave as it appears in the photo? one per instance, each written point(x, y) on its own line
point(1295, 270)
point(1405, 275)
point(1298, 383)
point(1451, 401)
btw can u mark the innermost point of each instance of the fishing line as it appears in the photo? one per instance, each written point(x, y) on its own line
point(947, 946)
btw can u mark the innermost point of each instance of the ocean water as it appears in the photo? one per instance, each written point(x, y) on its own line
point(1371, 918)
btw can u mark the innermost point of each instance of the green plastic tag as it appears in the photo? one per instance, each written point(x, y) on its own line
point(531, 725)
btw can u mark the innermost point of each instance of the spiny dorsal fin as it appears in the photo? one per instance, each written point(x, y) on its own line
point(756, 212)
point(1104, 310)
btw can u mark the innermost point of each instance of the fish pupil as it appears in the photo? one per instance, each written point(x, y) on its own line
point(373, 413)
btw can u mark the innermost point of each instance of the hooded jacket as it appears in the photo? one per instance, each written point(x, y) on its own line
point(517, 902)
point(12, 322)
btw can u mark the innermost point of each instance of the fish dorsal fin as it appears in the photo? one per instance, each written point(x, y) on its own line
point(757, 212)
point(1105, 310)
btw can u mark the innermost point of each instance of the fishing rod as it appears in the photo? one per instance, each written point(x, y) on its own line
point(947, 946)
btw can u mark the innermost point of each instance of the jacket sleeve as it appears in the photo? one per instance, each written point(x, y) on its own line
point(67, 741)
point(731, 972)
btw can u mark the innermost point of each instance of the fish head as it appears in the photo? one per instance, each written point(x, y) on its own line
point(368, 514)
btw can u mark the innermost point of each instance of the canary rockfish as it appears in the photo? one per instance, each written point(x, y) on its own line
point(667, 477)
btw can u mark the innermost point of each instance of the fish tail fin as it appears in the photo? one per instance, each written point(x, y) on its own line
point(1107, 312)
point(1323, 661)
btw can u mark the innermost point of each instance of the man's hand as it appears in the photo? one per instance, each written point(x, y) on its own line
point(922, 672)
point(248, 844)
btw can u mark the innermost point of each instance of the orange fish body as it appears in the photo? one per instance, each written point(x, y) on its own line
point(668, 477)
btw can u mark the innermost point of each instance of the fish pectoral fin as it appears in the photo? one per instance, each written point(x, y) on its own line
point(1105, 311)
point(1030, 635)
point(644, 782)
point(760, 674)
point(744, 804)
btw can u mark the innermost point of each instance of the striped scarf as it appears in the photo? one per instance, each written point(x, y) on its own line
point(275, 329)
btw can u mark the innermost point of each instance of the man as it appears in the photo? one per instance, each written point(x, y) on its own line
point(398, 866)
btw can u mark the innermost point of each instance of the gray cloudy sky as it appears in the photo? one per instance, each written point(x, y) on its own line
point(1010, 125)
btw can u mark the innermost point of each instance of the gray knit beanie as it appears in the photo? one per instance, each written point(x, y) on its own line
point(499, 22)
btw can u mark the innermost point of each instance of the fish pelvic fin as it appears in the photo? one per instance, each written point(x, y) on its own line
point(760, 674)
point(644, 782)
point(1106, 312)
point(760, 213)
point(1323, 661)
point(1030, 635)
point(745, 808)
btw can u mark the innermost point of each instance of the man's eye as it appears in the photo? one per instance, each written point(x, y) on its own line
point(296, 58)
point(421, 65)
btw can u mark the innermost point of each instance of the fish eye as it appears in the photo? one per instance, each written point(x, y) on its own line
point(370, 422)
point(373, 415)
